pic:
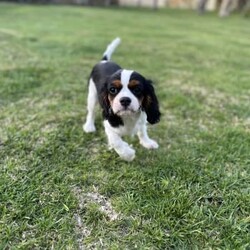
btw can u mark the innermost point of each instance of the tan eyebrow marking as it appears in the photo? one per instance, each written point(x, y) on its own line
point(133, 83)
point(117, 84)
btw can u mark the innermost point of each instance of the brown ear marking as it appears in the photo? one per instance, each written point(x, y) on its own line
point(104, 98)
point(150, 104)
point(110, 98)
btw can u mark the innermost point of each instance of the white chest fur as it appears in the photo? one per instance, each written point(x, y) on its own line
point(130, 126)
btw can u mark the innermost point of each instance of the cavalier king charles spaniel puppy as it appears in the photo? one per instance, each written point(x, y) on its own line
point(127, 100)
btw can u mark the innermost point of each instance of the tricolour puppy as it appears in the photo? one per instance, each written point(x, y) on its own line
point(128, 102)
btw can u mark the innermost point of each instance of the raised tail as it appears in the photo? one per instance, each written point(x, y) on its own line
point(110, 49)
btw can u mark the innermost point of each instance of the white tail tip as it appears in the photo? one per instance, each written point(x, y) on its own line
point(111, 48)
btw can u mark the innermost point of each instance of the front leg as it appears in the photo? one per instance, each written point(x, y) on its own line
point(145, 141)
point(121, 147)
point(89, 125)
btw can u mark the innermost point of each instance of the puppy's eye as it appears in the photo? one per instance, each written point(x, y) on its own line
point(137, 90)
point(113, 90)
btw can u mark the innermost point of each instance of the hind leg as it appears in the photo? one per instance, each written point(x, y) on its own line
point(89, 125)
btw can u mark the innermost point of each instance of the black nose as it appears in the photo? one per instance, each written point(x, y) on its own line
point(125, 101)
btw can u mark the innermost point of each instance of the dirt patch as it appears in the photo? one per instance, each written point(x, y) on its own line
point(82, 231)
point(94, 197)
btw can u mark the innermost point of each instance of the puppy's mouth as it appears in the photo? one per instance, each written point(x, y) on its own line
point(126, 111)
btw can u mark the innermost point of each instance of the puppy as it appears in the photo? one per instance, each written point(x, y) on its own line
point(128, 102)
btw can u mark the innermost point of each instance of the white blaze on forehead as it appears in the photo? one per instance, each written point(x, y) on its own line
point(125, 76)
point(125, 92)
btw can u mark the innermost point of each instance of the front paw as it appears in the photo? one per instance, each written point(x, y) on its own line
point(149, 144)
point(89, 127)
point(128, 154)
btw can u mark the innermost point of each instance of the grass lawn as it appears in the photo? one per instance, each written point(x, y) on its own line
point(63, 189)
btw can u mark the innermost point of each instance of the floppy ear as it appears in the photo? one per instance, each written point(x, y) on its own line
point(104, 101)
point(150, 103)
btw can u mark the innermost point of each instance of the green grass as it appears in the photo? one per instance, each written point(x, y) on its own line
point(63, 189)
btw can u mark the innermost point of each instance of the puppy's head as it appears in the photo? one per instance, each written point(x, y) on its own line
point(127, 92)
